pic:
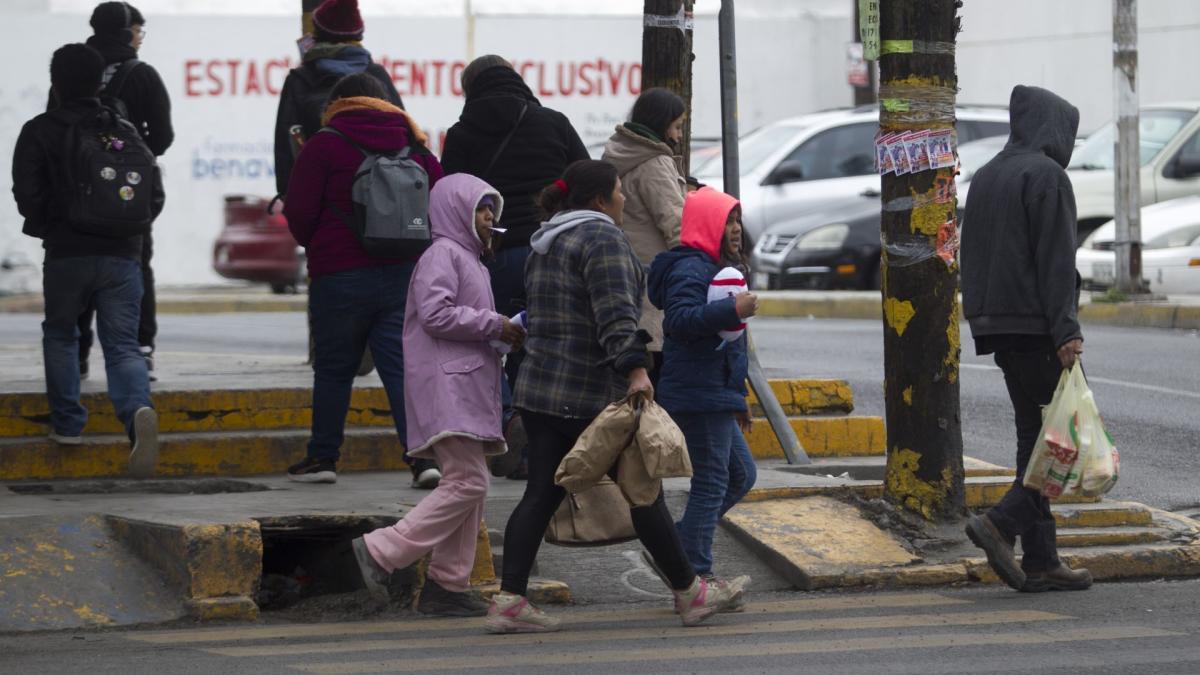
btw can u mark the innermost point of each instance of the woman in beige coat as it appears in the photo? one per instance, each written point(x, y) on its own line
point(644, 152)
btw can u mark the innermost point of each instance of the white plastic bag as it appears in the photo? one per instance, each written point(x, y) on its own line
point(1052, 467)
point(1099, 461)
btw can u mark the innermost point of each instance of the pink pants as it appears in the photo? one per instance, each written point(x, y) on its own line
point(445, 522)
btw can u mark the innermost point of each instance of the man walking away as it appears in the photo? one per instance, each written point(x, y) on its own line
point(1020, 296)
point(93, 245)
point(139, 94)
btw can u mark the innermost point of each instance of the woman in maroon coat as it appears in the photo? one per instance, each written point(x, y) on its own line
point(355, 299)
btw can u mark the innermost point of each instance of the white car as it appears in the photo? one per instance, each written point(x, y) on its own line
point(1169, 139)
point(1170, 249)
point(790, 166)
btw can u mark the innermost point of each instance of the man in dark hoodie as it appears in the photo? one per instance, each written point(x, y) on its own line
point(1020, 296)
point(83, 267)
point(509, 139)
point(338, 52)
point(119, 29)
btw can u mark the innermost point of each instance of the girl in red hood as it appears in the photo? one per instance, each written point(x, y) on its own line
point(703, 380)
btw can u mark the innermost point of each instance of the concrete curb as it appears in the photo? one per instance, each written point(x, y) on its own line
point(803, 304)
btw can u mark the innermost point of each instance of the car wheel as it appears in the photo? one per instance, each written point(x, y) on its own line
point(281, 288)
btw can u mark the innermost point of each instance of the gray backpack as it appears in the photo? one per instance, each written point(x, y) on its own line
point(391, 203)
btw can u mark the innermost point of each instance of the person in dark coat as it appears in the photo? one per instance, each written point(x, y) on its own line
point(538, 145)
point(119, 30)
point(355, 299)
point(337, 52)
point(1020, 297)
point(703, 380)
point(83, 268)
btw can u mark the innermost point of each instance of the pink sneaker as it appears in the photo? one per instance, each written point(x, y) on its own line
point(700, 601)
point(515, 614)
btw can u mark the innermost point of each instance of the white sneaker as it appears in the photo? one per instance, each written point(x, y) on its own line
point(427, 479)
point(65, 440)
point(515, 614)
point(700, 601)
point(374, 577)
point(143, 459)
point(735, 590)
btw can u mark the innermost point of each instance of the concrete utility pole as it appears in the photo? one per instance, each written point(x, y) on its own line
point(920, 266)
point(667, 57)
point(726, 46)
point(1128, 163)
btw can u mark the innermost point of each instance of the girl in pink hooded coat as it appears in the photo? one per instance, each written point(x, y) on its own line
point(452, 395)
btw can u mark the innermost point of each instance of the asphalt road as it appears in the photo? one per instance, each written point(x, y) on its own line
point(1113, 628)
point(1146, 382)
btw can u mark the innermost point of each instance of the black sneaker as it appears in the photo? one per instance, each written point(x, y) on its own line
point(438, 601)
point(426, 475)
point(313, 471)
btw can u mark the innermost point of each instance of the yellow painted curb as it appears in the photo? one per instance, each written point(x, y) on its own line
point(237, 608)
point(484, 569)
point(987, 491)
point(1108, 536)
point(975, 468)
point(819, 308)
point(822, 437)
point(217, 566)
point(1102, 514)
point(240, 454)
point(808, 397)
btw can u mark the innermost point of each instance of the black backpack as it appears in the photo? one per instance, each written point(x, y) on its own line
point(110, 175)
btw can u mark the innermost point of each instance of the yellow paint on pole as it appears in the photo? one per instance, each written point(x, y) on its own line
point(907, 394)
point(928, 218)
point(898, 313)
point(919, 495)
point(953, 344)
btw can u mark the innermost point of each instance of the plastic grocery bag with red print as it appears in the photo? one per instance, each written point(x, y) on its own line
point(1074, 453)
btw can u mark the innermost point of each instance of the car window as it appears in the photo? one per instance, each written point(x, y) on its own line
point(1156, 128)
point(752, 150)
point(1191, 149)
point(970, 130)
point(1180, 236)
point(838, 152)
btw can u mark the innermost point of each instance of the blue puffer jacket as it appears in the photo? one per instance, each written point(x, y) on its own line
point(698, 375)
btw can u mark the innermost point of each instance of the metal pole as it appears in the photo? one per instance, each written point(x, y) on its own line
point(469, 15)
point(1128, 212)
point(729, 151)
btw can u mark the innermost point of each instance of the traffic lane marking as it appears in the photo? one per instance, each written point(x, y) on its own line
point(1105, 380)
point(750, 627)
point(424, 625)
point(536, 658)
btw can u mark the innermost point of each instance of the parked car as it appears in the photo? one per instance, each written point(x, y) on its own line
point(791, 166)
point(257, 246)
point(1170, 249)
point(836, 245)
point(1169, 140)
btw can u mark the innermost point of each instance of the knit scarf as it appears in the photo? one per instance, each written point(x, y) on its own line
point(370, 103)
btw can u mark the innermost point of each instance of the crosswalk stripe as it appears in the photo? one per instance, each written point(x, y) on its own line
point(425, 625)
point(541, 658)
point(750, 627)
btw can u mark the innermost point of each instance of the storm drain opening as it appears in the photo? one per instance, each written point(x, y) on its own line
point(309, 556)
point(180, 486)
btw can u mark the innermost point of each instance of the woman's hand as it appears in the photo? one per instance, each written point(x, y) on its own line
point(639, 383)
point(512, 334)
point(744, 421)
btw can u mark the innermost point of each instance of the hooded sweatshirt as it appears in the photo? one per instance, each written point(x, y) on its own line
point(654, 189)
point(699, 375)
point(451, 373)
point(1018, 233)
point(541, 147)
point(324, 176)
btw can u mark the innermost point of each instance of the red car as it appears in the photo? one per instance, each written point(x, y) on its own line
point(257, 246)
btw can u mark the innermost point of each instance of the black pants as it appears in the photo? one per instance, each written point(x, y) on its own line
point(148, 323)
point(550, 439)
point(1031, 378)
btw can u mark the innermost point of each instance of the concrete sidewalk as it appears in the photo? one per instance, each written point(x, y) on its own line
point(1176, 312)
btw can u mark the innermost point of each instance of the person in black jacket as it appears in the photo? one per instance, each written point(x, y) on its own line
point(119, 29)
point(337, 52)
point(1020, 296)
point(509, 139)
point(82, 268)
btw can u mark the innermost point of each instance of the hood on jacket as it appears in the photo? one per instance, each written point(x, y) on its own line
point(704, 214)
point(656, 286)
point(369, 103)
point(112, 48)
point(628, 150)
point(1042, 121)
point(338, 59)
point(452, 204)
point(561, 222)
point(379, 130)
point(497, 96)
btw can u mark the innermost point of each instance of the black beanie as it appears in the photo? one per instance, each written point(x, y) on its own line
point(109, 18)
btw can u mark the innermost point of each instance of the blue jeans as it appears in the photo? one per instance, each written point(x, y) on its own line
point(349, 311)
point(723, 471)
point(114, 287)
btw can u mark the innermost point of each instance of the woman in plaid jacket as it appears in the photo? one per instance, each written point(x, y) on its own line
point(583, 351)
